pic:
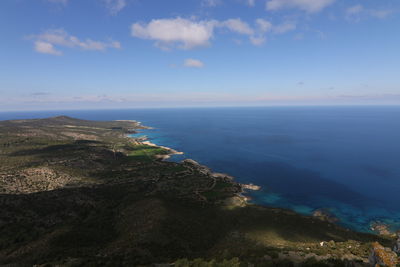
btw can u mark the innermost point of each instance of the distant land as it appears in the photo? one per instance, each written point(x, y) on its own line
point(82, 193)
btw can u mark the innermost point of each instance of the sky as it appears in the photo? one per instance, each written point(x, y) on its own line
point(100, 54)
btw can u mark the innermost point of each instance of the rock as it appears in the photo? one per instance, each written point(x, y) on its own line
point(396, 247)
point(325, 215)
point(251, 187)
point(381, 256)
point(191, 162)
point(225, 176)
point(381, 228)
point(195, 165)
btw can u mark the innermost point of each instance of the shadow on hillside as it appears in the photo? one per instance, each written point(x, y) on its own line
point(123, 223)
point(77, 145)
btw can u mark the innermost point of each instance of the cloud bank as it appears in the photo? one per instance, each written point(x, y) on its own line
point(49, 101)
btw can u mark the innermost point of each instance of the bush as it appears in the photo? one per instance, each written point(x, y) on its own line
point(204, 263)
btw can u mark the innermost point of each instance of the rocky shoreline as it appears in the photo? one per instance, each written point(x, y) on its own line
point(239, 199)
point(242, 199)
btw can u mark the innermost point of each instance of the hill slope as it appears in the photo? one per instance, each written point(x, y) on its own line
point(77, 193)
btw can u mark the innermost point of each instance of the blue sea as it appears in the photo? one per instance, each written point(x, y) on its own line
point(343, 159)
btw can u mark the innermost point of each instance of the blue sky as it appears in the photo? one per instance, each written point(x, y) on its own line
point(58, 54)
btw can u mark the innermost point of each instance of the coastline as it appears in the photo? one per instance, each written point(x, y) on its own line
point(242, 198)
point(165, 201)
point(239, 199)
point(166, 156)
point(144, 140)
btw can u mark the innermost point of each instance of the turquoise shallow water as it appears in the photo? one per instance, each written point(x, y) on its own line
point(344, 159)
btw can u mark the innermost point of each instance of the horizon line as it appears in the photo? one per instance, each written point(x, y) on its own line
point(202, 107)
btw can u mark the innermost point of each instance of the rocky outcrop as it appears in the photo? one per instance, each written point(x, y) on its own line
point(381, 256)
point(381, 228)
point(325, 215)
point(396, 247)
point(251, 187)
point(200, 168)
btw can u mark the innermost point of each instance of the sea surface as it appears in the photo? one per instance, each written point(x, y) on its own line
point(343, 159)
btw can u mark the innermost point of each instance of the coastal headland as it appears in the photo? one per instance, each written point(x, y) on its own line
point(83, 193)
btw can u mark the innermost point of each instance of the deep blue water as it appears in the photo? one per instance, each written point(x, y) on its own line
point(345, 159)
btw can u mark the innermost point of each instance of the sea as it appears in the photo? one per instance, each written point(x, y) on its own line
point(343, 159)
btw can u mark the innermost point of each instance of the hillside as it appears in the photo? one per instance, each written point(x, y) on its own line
point(79, 193)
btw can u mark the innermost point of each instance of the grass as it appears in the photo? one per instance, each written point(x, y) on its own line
point(146, 153)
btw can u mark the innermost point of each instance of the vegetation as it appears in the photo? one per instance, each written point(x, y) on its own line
point(146, 152)
point(81, 193)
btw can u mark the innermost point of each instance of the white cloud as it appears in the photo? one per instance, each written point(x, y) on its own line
point(188, 34)
point(263, 25)
point(211, 3)
point(251, 2)
point(380, 13)
point(46, 48)
point(357, 12)
point(115, 6)
point(167, 33)
point(238, 26)
point(310, 6)
point(354, 13)
point(354, 10)
point(257, 34)
point(64, 2)
point(258, 40)
point(284, 27)
point(46, 42)
point(193, 63)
